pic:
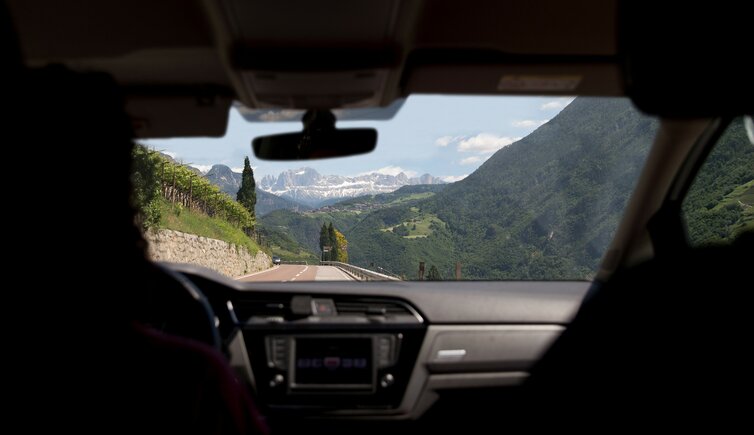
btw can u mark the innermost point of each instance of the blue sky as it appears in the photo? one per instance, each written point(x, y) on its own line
point(446, 136)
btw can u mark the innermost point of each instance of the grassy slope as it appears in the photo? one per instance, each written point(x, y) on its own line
point(741, 197)
point(174, 217)
point(719, 205)
point(419, 225)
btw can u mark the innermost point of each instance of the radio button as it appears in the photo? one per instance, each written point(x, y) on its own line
point(277, 380)
point(387, 380)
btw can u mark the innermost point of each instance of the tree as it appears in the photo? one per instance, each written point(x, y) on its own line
point(434, 274)
point(324, 240)
point(333, 243)
point(247, 194)
point(342, 244)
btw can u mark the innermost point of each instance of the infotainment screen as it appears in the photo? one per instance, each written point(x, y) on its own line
point(333, 362)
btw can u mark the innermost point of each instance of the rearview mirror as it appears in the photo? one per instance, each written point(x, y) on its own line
point(319, 140)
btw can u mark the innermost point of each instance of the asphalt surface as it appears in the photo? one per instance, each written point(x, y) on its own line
point(291, 273)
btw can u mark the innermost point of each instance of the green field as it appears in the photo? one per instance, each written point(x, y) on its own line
point(411, 197)
point(420, 225)
point(175, 217)
point(742, 196)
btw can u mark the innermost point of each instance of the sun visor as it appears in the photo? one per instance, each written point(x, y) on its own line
point(178, 115)
point(474, 71)
point(685, 60)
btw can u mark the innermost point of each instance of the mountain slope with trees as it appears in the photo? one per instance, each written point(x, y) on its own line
point(170, 195)
point(304, 226)
point(229, 182)
point(544, 207)
point(720, 203)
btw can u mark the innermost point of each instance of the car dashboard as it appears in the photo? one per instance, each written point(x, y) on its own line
point(381, 350)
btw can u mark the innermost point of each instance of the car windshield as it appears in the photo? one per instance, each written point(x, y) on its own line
point(459, 187)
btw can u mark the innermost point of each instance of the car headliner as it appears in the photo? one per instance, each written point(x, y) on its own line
point(182, 63)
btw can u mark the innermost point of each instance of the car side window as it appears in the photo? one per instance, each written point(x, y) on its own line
point(720, 204)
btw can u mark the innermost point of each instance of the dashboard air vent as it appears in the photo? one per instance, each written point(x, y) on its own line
point(371, 308)
point(272, 306)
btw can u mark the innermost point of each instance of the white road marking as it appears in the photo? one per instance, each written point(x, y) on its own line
point(257, 273)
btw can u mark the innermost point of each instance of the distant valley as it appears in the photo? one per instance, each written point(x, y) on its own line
point(305, 189)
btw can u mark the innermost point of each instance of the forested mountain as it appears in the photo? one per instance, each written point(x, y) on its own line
point(267, 202)
point(544, 207)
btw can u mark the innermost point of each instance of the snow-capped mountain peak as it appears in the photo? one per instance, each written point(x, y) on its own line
point(307, 186)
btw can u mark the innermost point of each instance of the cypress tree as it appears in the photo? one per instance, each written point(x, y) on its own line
point(247, 194)
point(324, 239)
point(333, 241)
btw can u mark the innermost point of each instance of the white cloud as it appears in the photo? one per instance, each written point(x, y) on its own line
point(471, 160)
point(558, 104)
point(202, 168)
point(240, 169)
point(453, 178)
point(445, 141)
point(485, 143)
point(280, 115)
point(392, 170)
point(529, 123)
point(173, 155)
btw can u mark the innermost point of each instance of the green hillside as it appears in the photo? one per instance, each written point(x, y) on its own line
point(374, 241)
point(303, 227)
point(544, 207)
point(172, 196)
point(176, 217)
point(286, 247)
point(403, 195)
point(296, 234)
point(720, 203)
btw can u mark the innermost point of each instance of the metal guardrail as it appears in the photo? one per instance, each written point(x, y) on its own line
point(359, 272)
point(298, 263)
point(388, 273)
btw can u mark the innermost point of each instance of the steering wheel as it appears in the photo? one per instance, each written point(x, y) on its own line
point(178, 307)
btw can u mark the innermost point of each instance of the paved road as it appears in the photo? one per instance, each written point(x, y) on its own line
point(290, 273)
